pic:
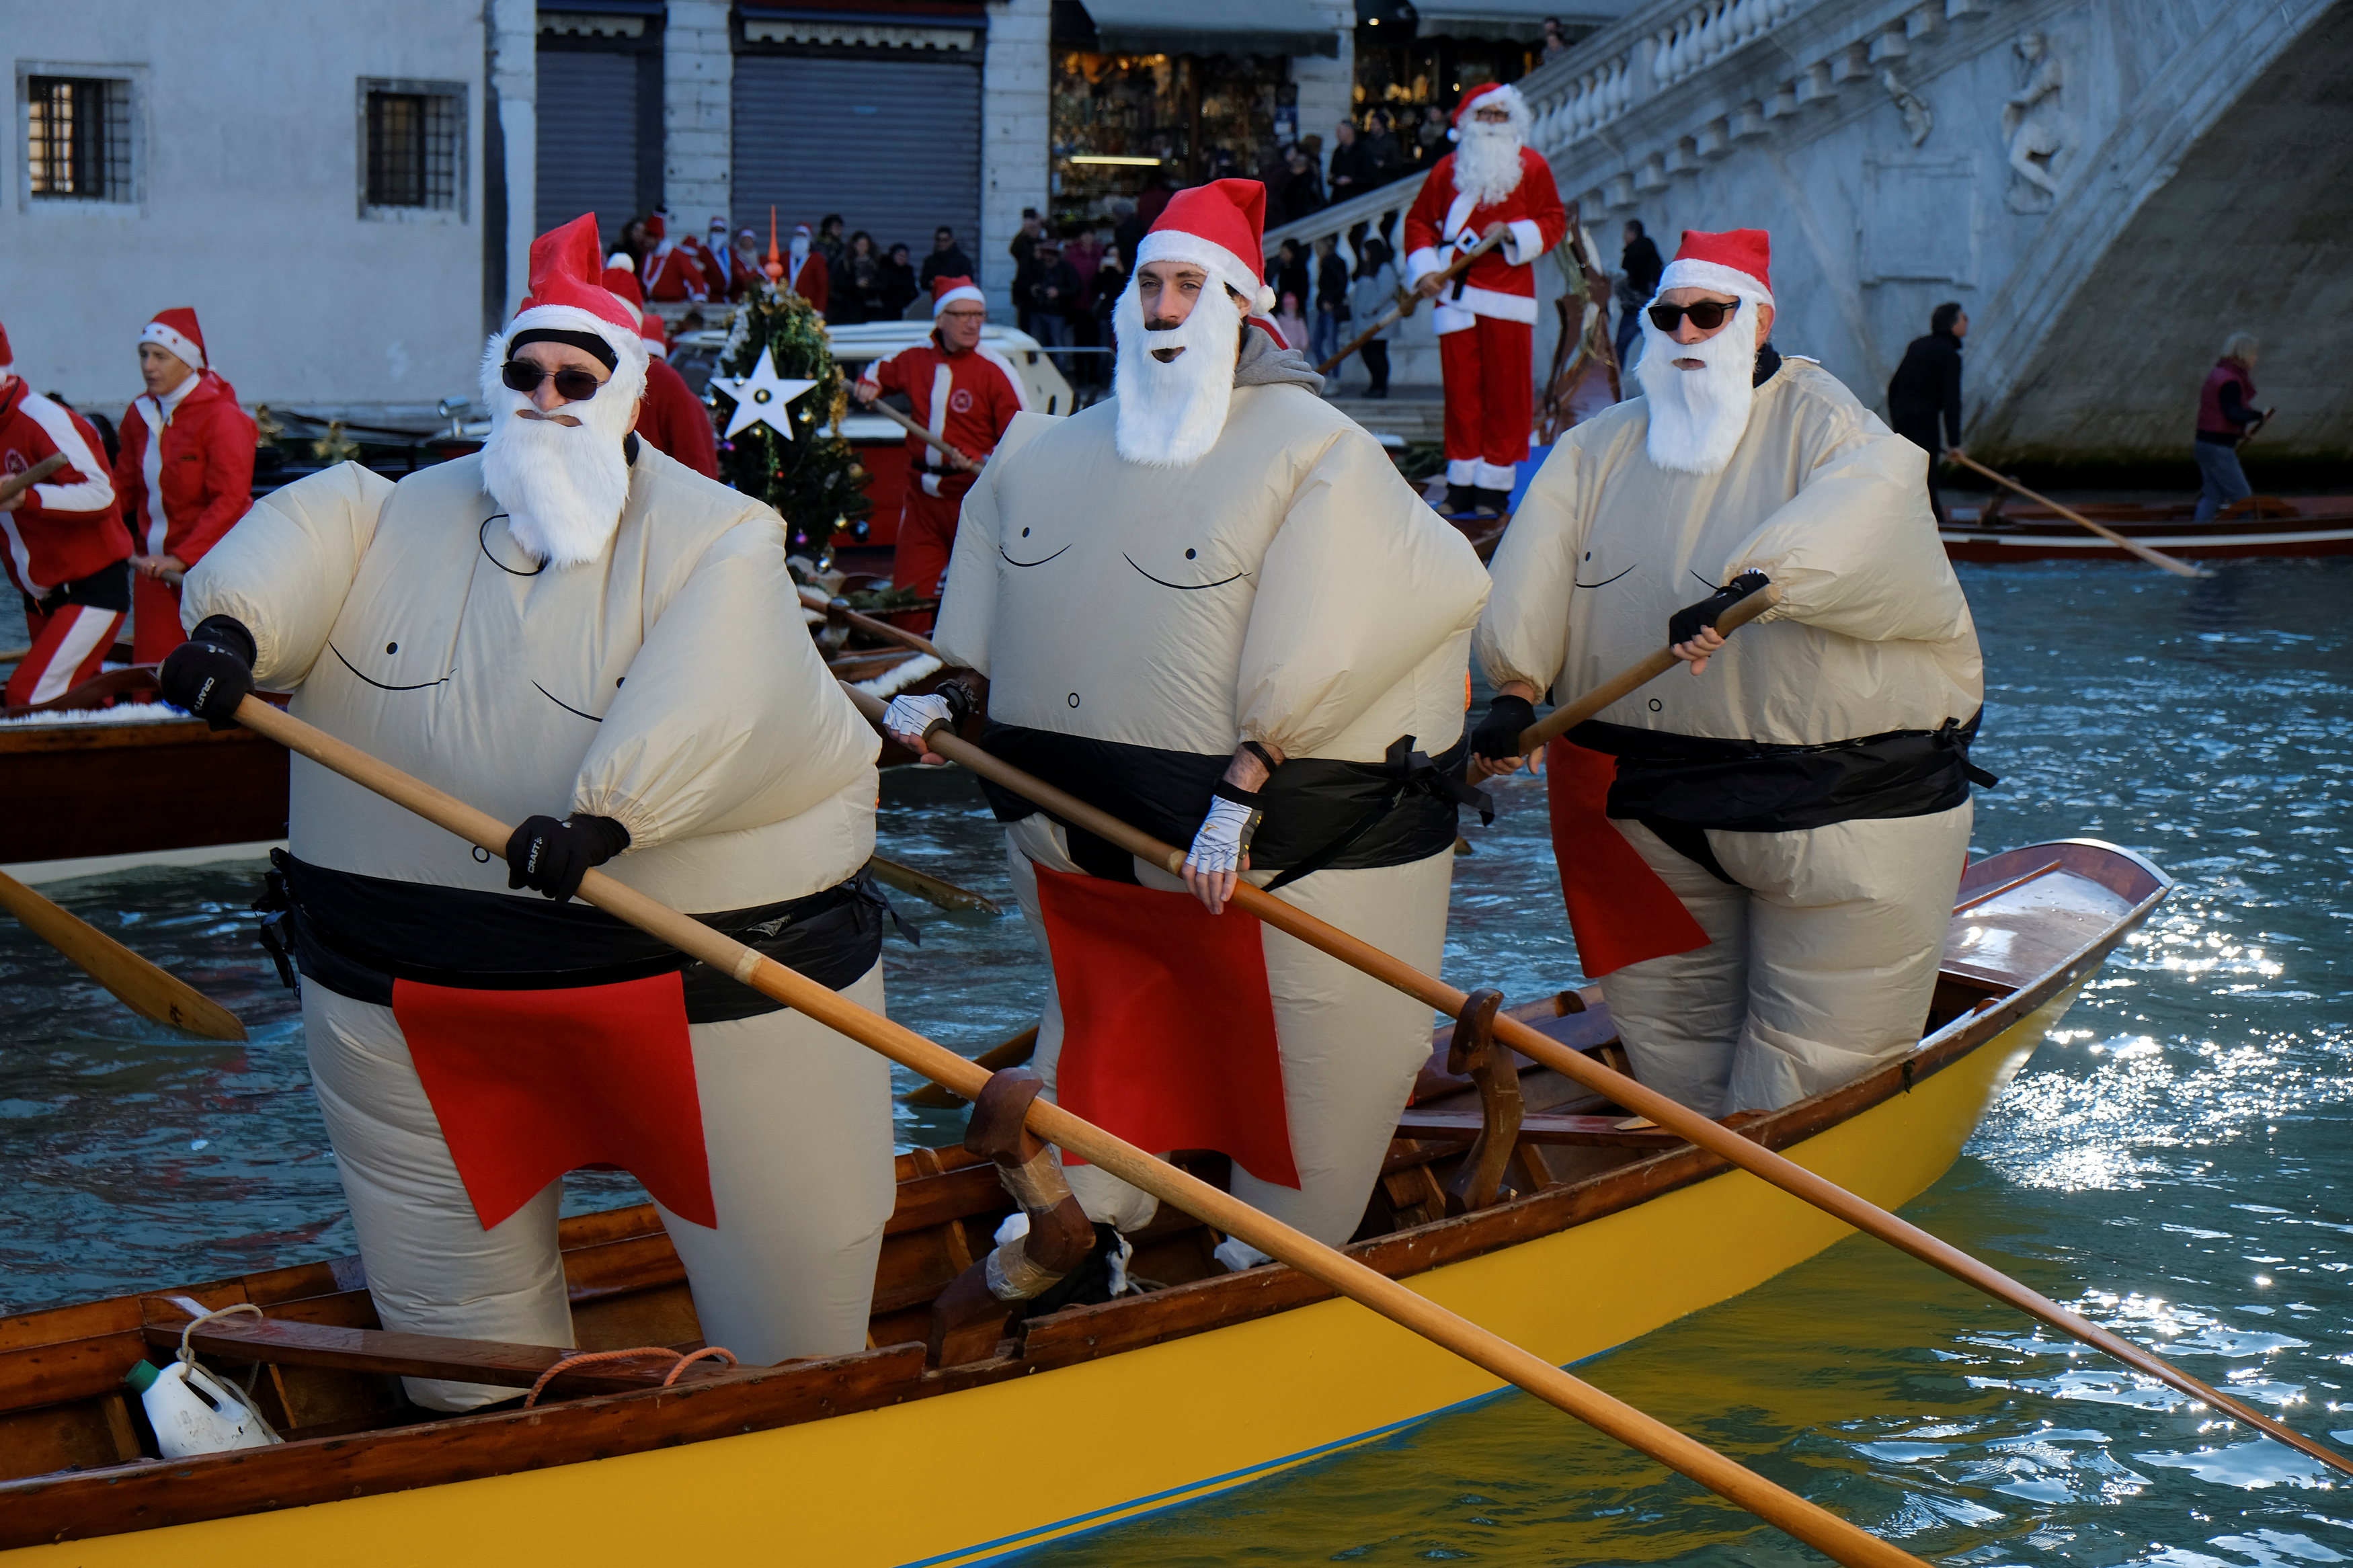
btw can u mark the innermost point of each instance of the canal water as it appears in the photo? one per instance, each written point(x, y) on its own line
point(2174, 1162)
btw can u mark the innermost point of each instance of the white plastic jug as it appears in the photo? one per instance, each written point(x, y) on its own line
point(194, 1413)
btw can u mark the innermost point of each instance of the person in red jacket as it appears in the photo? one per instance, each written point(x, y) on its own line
point(184, 473)
point(1485, 322)
point(672, 273)
point(965, 394)
point(64, 541)
point(670, 415)
point(806, 273)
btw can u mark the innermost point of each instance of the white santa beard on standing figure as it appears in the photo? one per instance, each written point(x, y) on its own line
point(562, 486)
point(1697, 417)
point(1487, 161)
point(1172, 413)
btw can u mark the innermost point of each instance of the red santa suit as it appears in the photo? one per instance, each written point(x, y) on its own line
point(1485, 319)
point(186, 475)
point(671, 417)
point(65, 543)
point(806, 273)
point(672, 271)
point(966, 399)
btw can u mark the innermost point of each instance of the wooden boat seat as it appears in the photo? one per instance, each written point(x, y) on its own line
point(283, 1342)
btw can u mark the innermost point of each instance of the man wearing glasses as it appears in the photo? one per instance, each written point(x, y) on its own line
point(578, 634)
point(1760, 861)
point(962, 392)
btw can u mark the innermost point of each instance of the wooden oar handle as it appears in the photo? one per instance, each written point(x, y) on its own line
point(815, 600)
point(953, 454)
point(1633, 678)
point(1672, 1115)
point(1808, 1521)
point(1452, 270)
point(15, 484)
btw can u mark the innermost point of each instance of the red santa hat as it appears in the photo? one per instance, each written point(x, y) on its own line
point(621, 281)
point(176, 333)
point(946, 291)
point(1219, 227)
point(569, 303)
point(7, 360)
point(1494, 95)
point(657, 226)
point(1739, 262)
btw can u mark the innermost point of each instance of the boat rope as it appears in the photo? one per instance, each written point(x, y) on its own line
point(587, 1358)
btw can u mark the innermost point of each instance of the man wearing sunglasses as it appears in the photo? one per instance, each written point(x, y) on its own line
point(579, 634)
point(1759, 863)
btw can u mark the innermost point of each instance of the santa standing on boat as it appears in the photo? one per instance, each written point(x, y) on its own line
point(1759, 863)
point(1493, 184)
point(575, 632)
point(1212, 607)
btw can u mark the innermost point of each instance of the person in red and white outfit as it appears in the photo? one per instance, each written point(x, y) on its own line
point(65, 542)
point(185, 472)
point(964, 393)
point(805, 272)
point(671, 417)
point(672, 272)
point(1485, 319)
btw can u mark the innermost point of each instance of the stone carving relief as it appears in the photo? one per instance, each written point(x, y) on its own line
point(2034, 125)
point(1919, 120)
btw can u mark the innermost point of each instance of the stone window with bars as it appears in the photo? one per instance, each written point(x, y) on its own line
point(78, 138)
point(412, 148)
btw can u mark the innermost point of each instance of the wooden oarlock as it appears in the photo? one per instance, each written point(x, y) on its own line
point(2154, 557)
point(1809, 1522)
point(1471, 1051)
point(1675, 1117)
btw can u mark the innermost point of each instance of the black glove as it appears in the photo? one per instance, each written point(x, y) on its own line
point(550, 857)
point(1685, 623)
point(1497, 738)
point(210, 673)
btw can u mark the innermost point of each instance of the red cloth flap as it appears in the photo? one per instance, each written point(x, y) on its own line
point(1167, 1025)
point(531, 1084)
point(1620, 910)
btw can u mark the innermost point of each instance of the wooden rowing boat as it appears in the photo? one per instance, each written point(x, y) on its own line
point(2005, 529)
point(1598, 1233)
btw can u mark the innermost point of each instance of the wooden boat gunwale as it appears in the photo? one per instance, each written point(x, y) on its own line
point(137, 1496)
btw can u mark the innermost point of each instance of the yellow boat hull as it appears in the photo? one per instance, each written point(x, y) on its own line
point(1228, 1407)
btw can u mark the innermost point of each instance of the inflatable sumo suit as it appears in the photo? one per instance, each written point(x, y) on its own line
point(1138, 623)
point(1806, 798)
point(670, 684)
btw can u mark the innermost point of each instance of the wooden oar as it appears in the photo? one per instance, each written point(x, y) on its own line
point(955, 456)
point(1015, 1052)
point(141, 987)
point(1808, 1521)
point(934, 889)
point(14, 655)
point(1634, 677)
point(1675, 1117)
point(1454, 268)
point(815, 600)
point(2154, 557)
point(15, 484)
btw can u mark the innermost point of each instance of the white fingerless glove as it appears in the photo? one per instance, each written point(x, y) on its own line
point(1218, 847)
point(915, 715)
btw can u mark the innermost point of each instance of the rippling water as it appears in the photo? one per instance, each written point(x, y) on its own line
point(2174, 1161)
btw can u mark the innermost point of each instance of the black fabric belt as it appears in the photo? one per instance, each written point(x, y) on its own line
point(1680, 786)
point(108, 588)
point(1319, 811)
point(355, 935)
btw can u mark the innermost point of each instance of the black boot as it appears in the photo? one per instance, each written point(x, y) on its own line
point(1461, 500)
point(1491, 501)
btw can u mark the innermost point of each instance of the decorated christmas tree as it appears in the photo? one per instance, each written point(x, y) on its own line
point(779, 400)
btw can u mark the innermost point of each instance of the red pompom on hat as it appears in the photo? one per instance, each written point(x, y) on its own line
point(1739, 261)
point(946, 291)
point(176, 333)
point(1219, 227)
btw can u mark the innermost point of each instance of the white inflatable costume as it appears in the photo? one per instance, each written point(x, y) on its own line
point(1142, 599)
point(1823, 939)
point(666, 682)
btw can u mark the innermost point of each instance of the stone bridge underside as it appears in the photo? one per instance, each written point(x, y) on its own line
point(2109, 187)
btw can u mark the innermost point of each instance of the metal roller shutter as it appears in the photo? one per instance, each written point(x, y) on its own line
point(892, 145)
point(587, 139)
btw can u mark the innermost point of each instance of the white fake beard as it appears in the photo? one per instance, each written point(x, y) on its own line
point(1697, 417)
point(1487, 162)
point(1171, 414)
point(564, 486)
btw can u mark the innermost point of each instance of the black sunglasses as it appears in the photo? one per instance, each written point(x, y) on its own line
point(1705, 314)
point(572, 385)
